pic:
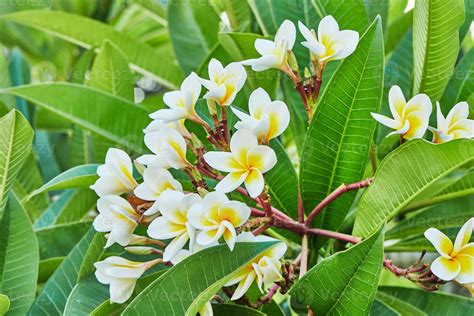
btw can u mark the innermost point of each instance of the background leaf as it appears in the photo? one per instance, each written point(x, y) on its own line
point(193, 28)
point(79, 104)
point(154, 63)
point(395, 184)
point(18, 257)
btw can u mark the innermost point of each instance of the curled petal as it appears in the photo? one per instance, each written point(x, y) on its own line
point(327, 28)
point(162, 228)
point(286, 32)
point(229, 234)
point(418, 125)
point(243, 286)
point(237, 213)
point(121, 290)
point(175, 246)
point(459, 112)
point(264, 46)
point(348, 41)
point(397, 102)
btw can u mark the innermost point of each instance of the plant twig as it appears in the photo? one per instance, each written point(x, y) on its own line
point(304, 255)
point(343, 188)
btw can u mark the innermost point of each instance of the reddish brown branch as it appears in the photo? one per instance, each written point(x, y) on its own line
point(334, 195)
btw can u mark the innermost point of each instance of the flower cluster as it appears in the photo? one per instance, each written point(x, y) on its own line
point(456, 261)
point(411, 119)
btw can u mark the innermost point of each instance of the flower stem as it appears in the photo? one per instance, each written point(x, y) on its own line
point(343, 188)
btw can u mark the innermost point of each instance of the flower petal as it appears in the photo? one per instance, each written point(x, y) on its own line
point(382, 119)
point(262, 158)
point(254, 183)
point(207, 237)
point(229, 234)
point(237, 213)
point(170, 206)
point(175, 246)
point(121, 290)
point(162, 228)
point(459, 112)
point(467, 249)
point(327, 28)
point(418, 125)
point(445, 269)
point(440, 241)
point(243, 286)
point(169, 115)
point(463, 236)
point(307, 34)
point(419, 103)
point(348, 41)
point(264, 46)
point(240, 143)
point(258, 100)
point(466, 273)
point(286, 33)
point(223, 161)
point(231, 181)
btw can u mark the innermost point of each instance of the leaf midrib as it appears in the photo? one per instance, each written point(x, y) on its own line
point(7, 163)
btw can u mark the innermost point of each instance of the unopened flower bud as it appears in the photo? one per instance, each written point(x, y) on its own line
point(292, 61)
point(139, 250)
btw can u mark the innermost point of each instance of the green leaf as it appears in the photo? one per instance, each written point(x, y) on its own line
point(341, 11)
point(78, 104)
point(158, 64)
point(432, 303)
point(71, 206)
point(4, 304)
point(395, 185)
point(192, 282)
point(59, 240)
point(193, 28)
point(18, 257)
point(378, 8)
point(342, 283)
point(338, 141)
point(402, 307)
point(110, 72)
point(47, 268)
point(283, 182)
point(461, 84)
point(16, 137)
point(77, 177)
point(77, 265)
point(5, 81)
point(435, 44)
point(379, 308)
point(234, 310)
point(448, 214)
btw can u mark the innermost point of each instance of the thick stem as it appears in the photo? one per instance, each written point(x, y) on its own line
point(302, 229)
point(304, 255)
point(334, 195)
point(300, 206)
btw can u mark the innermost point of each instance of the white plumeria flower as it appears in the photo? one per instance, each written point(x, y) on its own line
point(259, 267)
point(246, 163)
point(156, 125)
point(168, 148)
point(224, 82)
point(118, 217)
point(121, 274)
point(331, 43)
point(456, 261)
point(155, 182)
point(410, 120)
point(181, 103)
point(216, 216)
point(173, 223)
point(268, 119)
point(116, 175)
point(274, 53)
point(454, 126)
